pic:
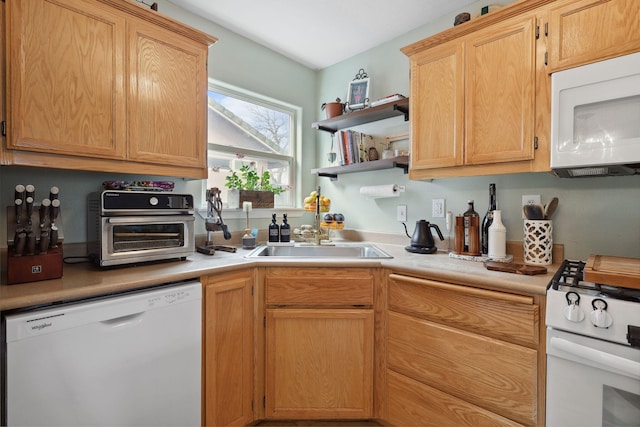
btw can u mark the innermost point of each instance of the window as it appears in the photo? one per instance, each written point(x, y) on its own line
point(246, 129)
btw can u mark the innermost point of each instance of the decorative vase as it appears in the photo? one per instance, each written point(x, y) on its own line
point(497, 237)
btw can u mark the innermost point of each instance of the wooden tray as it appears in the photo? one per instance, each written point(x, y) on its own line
point(512, 267)
point(614, 271)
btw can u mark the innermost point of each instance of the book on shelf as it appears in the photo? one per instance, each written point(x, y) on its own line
point(352, 147)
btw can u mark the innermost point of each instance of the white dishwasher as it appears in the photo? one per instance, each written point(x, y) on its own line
point(132, 359)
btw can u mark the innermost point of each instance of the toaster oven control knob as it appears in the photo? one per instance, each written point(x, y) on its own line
point(599, 316)
point(153, 201)
point(573, 312)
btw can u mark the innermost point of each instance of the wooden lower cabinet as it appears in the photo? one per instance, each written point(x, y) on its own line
point(458, 355)
point(228, 343)
point(319, 343)
point(412, 403)
point(319, 363)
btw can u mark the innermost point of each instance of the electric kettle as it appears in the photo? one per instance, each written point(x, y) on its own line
point(422, 240)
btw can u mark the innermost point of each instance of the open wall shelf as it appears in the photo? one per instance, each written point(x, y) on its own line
point(368, 115)
point(333, 171)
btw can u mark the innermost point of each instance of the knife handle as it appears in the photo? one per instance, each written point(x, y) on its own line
point(31, 243)
point(44, 242)
point(31, 190)
point(18, 243)
point(53, 237)
point(53, 193)
point(54, 210)
point(18, 205)
point(44, 211)
point(29, 202)
point(19, 194)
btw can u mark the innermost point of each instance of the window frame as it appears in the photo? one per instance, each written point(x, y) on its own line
point(293, 159)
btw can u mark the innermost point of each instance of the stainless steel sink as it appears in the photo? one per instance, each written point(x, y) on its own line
point(346, 250)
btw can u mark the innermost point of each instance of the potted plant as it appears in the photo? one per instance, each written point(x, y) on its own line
point(249, 186)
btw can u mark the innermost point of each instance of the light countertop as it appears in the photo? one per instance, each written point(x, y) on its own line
point(85, 280)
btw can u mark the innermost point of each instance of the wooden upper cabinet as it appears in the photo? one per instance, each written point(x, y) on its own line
point(437, 128)
point(500, 93)
point(66, 90)
point(585, 31)
point(167, 102)
point(473, 100)
point(105, 85)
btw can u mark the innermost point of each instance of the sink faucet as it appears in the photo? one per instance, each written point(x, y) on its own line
point(318, 236)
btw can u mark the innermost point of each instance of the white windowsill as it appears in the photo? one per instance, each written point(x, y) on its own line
point(255, 213)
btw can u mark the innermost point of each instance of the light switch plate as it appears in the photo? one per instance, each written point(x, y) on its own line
point(437, 208)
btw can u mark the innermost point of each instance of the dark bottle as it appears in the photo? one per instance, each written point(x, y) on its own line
point(471, 231)
point(285, 230)
point(488, 219)
point(274, 230)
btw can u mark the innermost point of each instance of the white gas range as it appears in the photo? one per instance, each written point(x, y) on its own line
point(593, 351)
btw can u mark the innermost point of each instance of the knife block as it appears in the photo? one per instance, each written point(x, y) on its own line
point(23, 268)
point(33, 268)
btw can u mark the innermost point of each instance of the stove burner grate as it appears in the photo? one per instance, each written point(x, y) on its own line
point(571, 274)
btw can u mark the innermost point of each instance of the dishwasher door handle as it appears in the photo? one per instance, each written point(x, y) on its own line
point(603, 359)
point(123, 320)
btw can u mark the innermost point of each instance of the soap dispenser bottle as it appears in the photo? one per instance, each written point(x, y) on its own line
point(274, 230)
point(285, 230)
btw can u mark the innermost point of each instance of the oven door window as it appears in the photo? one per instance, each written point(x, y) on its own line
point(138, 237)
point(619, 407)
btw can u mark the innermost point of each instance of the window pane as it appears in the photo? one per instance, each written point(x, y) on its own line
point(245, 130)
point(237, 123)
point(221, 164)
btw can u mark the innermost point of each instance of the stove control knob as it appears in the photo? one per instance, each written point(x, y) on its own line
point(573, 312)
point(153, 201)
point(599, 316)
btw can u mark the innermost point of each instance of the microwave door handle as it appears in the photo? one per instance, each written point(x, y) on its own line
point(629, 367)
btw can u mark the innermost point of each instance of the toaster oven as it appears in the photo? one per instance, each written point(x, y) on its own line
point(125, 227)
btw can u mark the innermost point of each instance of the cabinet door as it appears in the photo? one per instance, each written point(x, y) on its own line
point(412, 403)
point(500, 93)
point(167, 97)
point(495, 375)
point(437, 107)
point(65, 74)
point(586, 31)
point(228, 350)
point(319, 363)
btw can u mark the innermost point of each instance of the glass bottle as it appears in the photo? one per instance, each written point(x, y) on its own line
point(488, 219)
point(274, 230)
point(470, 232)
point(285, 230)
point(497, 237)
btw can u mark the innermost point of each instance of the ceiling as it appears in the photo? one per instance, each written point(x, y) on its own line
point(320, 33)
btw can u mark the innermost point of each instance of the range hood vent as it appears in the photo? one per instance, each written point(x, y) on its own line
point(587, 172)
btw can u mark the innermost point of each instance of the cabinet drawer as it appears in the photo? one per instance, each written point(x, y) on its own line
point(497, 314)
point(411, 403)
point(495, 375)
point(314, 286)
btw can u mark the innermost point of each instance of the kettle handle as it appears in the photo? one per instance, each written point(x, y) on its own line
point(438, 230)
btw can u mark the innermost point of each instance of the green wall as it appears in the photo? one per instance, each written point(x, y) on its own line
point(596, 215)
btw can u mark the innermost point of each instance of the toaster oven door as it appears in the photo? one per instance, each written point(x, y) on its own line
point(146, 238)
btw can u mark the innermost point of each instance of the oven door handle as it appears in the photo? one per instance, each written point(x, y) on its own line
point(610, 361)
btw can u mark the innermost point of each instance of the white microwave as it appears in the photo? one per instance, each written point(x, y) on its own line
point(595, 119)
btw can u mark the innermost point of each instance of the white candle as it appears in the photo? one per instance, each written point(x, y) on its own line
point(247, 206)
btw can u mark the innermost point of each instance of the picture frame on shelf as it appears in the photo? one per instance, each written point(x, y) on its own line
point(358, 94)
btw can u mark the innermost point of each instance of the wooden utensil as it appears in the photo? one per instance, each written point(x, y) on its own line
point(533, 212)
point(512, 267)
point(550, 209)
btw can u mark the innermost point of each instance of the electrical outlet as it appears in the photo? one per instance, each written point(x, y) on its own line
point(530, 200)
point(437, 208)
point(401, 213)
